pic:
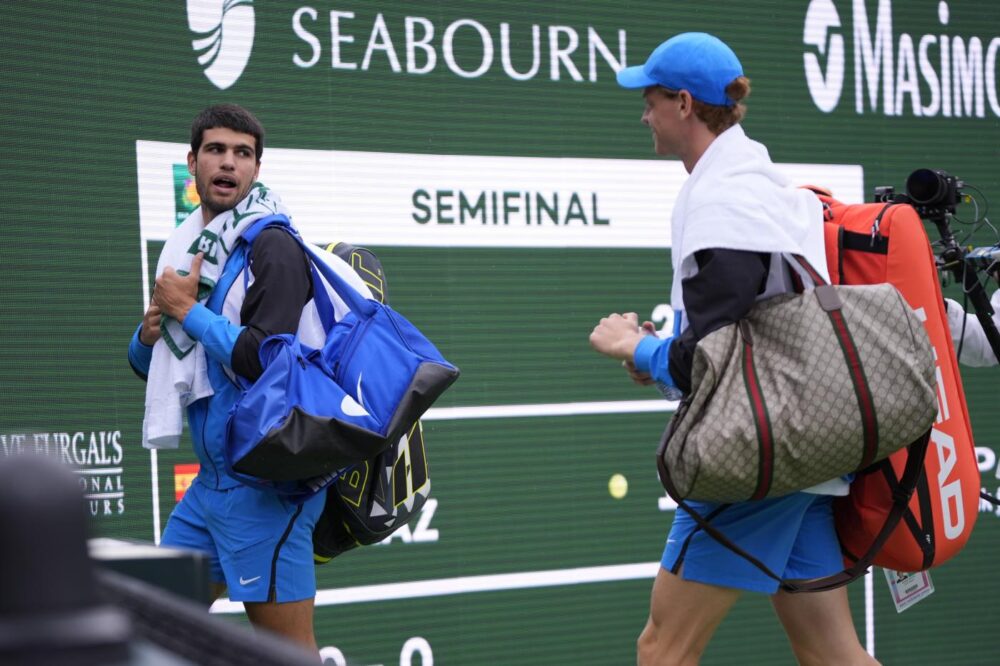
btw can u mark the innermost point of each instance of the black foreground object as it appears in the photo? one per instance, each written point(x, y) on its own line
point(50, 609)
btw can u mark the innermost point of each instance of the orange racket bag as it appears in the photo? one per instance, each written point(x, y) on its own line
point(872, 243)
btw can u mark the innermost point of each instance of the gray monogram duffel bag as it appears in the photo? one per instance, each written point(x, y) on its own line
point(806, 388)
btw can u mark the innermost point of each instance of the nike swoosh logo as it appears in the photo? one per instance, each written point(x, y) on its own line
point(353, 407)
point(247, 581)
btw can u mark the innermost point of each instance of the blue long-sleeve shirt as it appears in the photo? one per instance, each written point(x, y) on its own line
point(720, 293)
point(272, 304)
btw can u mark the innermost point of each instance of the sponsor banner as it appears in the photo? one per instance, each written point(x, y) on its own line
point(223, 35)
point(946, 73)
point(986, 456)
point(413, 200)
point(97, 457)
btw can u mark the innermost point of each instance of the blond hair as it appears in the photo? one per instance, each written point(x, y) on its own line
point(720, 118)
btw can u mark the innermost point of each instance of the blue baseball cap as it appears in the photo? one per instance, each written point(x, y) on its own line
point(697, 62)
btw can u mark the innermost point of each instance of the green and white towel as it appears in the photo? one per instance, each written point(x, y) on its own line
point(177, 372)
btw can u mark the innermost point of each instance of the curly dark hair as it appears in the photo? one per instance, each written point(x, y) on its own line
point(230, 116)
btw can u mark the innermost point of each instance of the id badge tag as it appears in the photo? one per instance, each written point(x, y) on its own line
point(908, 588)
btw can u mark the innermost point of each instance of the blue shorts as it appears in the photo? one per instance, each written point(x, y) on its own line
point(258, 544)
point(793, 535)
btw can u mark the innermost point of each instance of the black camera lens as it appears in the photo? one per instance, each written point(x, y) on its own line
point(928, 187)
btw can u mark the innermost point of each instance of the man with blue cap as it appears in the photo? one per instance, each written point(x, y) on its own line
point(733, 220)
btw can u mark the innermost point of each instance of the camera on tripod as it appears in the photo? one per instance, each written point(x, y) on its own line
point(935, 194)
point(932, 192)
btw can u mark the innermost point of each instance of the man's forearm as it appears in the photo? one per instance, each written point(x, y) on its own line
point(216, 333)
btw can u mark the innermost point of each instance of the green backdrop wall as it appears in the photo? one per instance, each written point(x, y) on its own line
point(484, 151)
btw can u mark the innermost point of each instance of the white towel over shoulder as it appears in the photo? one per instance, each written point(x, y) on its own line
point(178, 371)
point(174, 383)
point(736, 199)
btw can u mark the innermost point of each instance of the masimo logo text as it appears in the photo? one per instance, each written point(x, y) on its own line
point(413, 45)
point(223, 37)
point(895, 74)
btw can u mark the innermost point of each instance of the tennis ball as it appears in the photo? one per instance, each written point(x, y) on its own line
point(618, 486)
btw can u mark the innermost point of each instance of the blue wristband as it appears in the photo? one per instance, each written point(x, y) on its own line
point(652, 355)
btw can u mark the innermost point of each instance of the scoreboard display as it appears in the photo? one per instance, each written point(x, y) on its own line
point(486, 154)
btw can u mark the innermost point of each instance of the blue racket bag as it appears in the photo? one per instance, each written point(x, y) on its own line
point(316, 412)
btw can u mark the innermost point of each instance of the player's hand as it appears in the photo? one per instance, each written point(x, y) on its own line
point(176, 294)
point(617, 335)
point(638, 376)
point(150, 331)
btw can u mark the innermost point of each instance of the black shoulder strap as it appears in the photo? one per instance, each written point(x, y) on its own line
point(900, 502)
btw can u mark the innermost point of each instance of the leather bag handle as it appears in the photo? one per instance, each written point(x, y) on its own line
point(901, 499)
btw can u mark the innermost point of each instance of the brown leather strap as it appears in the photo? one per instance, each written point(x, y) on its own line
point(901, 500)
point(912, 473)
point(913, 470)
point(862, 391)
